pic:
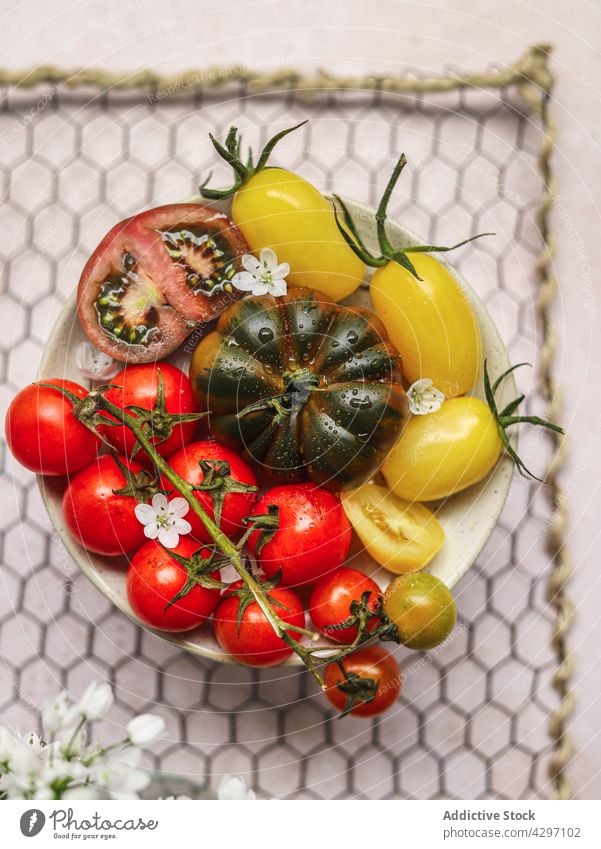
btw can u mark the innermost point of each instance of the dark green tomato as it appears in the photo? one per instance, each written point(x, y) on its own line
point(309, 389)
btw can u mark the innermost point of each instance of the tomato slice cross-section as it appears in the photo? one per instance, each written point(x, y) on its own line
point(155, 277)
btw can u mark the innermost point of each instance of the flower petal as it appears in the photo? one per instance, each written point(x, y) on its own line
point(144, 513)
point(151, 531)
point(179, 507)
point(420, 385)
point(281, 271)
point(278, 288)
point(260, 288)
point(251, 264)
point(181, 526)
point(160, 502)
point(424, 397)
point(168, 537)
point(268, 258)
point(244, 281)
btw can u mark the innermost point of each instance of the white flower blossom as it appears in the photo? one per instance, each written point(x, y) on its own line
point(67, 767)
point(234, 788)
point(57, 713)
point(8, 744)
point(95, 364)
point(119, 775)
point(145, 729)
point(424, 397)
point(96, 701)
point(263, 276)
point(163, 519)
point(80, 792)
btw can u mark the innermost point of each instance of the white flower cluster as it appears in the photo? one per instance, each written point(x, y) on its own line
point(64, 764)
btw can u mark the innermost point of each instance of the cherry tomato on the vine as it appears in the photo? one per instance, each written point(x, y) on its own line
point(331, 599)
point(44, 435)
point(96, 515)
point(154, 579)
point(252, 640)
point(313, 536)
point(138, 385)
point(422, 608)
point(236, 504)
point(371, 682)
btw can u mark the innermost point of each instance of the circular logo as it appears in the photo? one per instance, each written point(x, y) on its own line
point(32, 822)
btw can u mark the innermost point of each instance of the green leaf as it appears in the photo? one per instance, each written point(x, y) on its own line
point(420, 249)
point(506, 418)
point(403, 260)
point(268, 149)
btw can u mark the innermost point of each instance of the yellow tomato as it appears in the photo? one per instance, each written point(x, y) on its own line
point(278, 209)
point(400, 536)
point(430, 322)
point(444, 452)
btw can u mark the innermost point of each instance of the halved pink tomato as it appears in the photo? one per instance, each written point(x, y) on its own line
point(155, 277)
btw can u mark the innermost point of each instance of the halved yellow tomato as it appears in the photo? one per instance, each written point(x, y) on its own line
point(400, 536)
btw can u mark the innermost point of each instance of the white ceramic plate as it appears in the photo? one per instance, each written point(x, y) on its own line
point(468, 518)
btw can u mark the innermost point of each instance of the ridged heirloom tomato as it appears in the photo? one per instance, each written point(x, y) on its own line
point(275, 208)
point(42, 432)
point(308, 389)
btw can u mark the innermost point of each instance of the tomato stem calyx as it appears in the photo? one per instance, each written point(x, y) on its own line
point(198, 569)
point(388, 253)
point(157, 423)
point(218, 482)
point(231, 152)
point(505, 418)
point(358, 689)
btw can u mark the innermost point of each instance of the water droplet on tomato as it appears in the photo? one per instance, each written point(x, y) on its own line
point(361, 403)
point(265, 335)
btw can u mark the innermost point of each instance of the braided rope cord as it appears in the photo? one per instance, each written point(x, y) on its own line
point(531, 77)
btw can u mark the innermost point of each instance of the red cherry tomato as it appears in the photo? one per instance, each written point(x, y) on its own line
point(154, 578)
point(138, 386)
point(371, 662)
point(155, 276)
point(313, 537)
point(99, 519)
point(255, 643)
point(331, 599)
point(236, 505)
point(44, 435)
